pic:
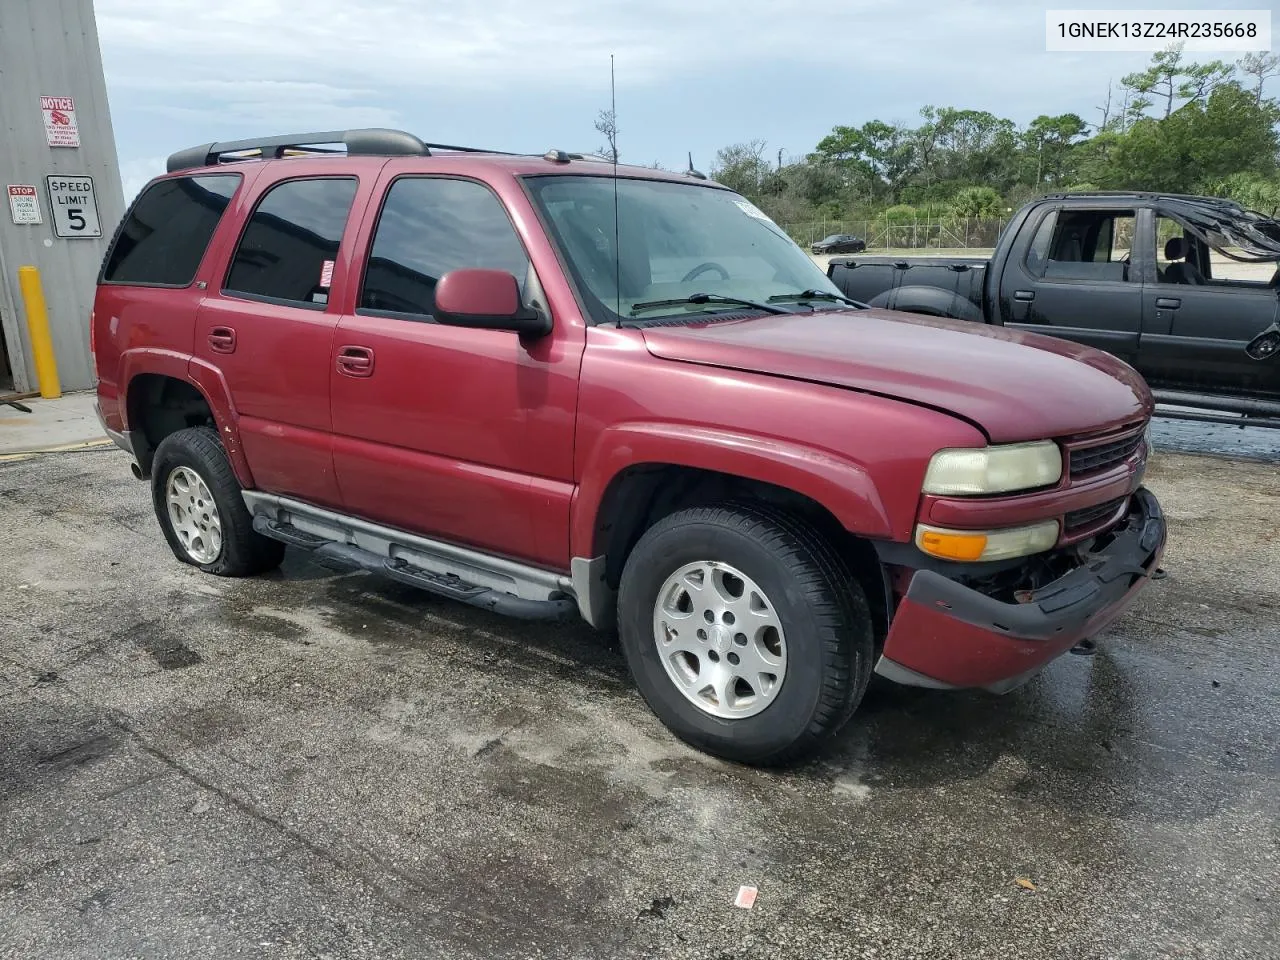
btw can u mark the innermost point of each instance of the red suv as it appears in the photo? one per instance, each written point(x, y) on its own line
point(546, 386)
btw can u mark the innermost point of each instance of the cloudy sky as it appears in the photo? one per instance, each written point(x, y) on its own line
point(527, 75)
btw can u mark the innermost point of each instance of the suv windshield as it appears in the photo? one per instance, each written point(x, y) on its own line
point(676, 241)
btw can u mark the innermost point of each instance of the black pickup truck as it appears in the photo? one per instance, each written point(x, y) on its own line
point(1129, 273)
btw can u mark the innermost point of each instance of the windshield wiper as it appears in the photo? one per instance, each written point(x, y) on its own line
point(818, 295)
point(704, 298)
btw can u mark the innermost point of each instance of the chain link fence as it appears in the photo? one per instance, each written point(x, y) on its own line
point(920, 234)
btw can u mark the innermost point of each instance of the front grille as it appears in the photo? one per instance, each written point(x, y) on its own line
point(1088, 460)
point(1087, 516)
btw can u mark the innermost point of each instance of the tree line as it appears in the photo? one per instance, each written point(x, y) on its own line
point(1177, 126)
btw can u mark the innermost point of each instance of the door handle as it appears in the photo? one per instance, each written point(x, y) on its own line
point(355, 361)
point(1021, 305)
point(1168, 303)
point(222, 340)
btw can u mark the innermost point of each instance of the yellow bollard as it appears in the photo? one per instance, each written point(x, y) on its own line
point(38, 329)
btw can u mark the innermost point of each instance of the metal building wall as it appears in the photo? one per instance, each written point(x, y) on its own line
point(50, 48)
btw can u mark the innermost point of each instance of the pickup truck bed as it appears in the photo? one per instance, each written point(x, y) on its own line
point(944, 286)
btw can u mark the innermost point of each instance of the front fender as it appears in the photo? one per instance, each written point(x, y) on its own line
point(842, 486)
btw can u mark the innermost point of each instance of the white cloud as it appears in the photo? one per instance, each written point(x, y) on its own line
point(526, 74)
point(134, 174)
point(260, 104)
point(424, 44)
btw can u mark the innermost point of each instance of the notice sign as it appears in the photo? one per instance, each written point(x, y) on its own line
point(60, 127)
point(24, 203)
point(73, 207)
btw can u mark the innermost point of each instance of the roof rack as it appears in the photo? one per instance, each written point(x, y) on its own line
point(556, 155)
point(1145, 194)
point(369, 141)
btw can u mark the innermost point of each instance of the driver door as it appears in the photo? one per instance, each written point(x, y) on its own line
point(459, 434)
point(1075, 280)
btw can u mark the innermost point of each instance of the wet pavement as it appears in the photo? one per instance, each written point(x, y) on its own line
point(321, 764)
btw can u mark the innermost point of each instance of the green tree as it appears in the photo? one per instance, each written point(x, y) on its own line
point(978, 203)
point(879, 157)
point(1161, 79)
point(1261, 66)
point(742, 167)
point(1198, 145)
point(1251, 191)
point(1200, 79)
point(1048, 144)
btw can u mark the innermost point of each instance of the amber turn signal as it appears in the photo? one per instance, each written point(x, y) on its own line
point(952, 545)
point(972, 545)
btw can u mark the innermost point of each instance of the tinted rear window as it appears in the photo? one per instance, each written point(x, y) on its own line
point(165, 235)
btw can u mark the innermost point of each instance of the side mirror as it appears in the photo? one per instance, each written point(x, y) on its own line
point(487, 300)
point(1266, 344)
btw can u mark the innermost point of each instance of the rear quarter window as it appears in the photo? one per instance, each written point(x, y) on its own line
point(165, 234)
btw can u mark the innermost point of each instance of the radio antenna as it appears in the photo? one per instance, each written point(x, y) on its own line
point(617, 233)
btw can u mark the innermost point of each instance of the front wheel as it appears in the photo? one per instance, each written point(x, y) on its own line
point(745, 631)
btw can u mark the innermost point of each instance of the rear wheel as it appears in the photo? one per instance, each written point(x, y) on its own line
point(198, 502)
point(745, 631)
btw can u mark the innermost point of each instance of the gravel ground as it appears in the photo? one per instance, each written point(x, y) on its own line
point(318, 764)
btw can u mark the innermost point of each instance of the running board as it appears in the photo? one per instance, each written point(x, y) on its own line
point(1219, 403)
point(448, 570)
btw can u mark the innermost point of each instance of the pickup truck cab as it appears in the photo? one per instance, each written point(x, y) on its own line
point(551, 388)
point(1132, 274)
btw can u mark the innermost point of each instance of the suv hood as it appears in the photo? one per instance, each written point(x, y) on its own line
point(1013, 385)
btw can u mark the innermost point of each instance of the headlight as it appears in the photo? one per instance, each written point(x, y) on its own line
point(973, 545)
point(1014, 466)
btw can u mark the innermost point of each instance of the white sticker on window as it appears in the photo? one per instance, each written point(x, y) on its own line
point(751, 210)
point(326, 274)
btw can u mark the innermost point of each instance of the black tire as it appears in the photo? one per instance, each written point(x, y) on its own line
point(822, 607)
point(244, 551)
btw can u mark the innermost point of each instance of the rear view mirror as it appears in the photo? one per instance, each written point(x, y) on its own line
point(485, 299)
point(1266, 344)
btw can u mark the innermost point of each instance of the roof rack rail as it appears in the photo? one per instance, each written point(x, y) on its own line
point(1144, 194)
point(556, 155)
point(449, 146)
point(368, 141)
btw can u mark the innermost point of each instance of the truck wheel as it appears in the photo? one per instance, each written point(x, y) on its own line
point(745, 631)
point(198, 503)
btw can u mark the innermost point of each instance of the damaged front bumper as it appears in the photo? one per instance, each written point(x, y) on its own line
point(945, 634)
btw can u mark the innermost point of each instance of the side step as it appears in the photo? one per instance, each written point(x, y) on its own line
point(287, 533)
point(443, 569)
point(454, 588)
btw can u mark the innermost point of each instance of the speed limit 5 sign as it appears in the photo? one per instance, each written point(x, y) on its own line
point(73, 206)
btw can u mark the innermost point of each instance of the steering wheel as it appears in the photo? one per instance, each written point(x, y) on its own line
point(702, 268)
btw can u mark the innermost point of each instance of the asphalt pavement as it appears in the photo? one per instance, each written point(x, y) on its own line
point(322, 764)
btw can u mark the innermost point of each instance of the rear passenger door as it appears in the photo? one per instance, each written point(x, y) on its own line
point(464, 435)
point(1075, 279)
point(269, 329)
